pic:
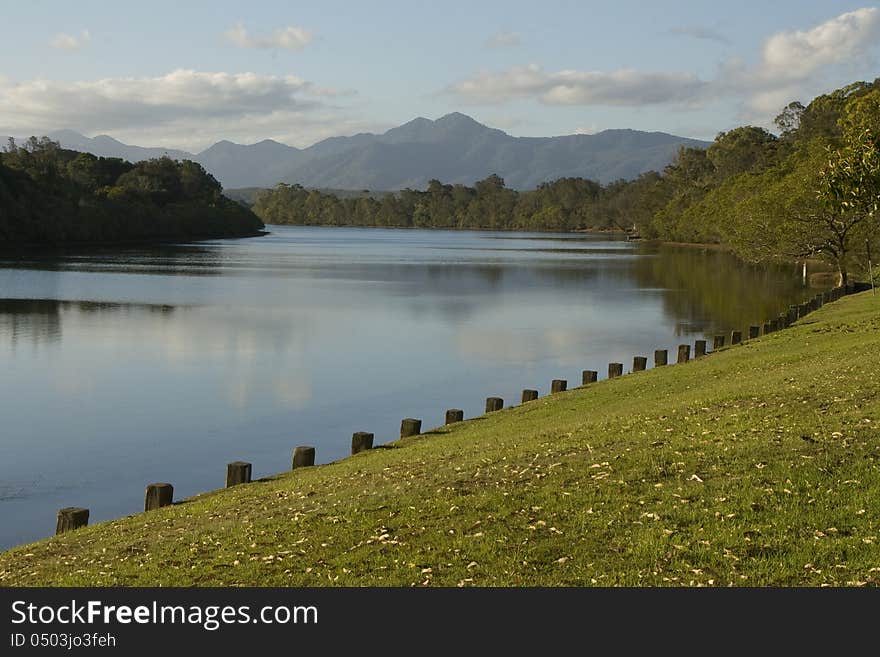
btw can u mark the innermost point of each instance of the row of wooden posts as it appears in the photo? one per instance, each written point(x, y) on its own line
point(239, 472)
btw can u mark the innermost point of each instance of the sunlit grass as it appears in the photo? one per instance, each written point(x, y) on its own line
point(758, 465)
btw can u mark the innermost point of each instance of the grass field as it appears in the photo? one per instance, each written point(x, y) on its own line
point(757, 465)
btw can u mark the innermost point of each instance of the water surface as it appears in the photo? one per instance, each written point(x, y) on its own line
point(125, 367)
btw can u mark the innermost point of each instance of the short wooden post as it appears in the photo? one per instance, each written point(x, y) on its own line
point(361, 441)
point(699, 348)
point(157, 496)
point(792, 315)
point(640, 363)
point(494, 404)
point(661, 357)
point(615, 370)
point(454, 415)
point(70, 518)
point(303, 456)
point(558, 385)
point(529, 395)
point(238, 472)
point(803, 310)
point(754, 332)
point(684, 353)
point(736, 337)
point(410, 427)
point(768, 328)
point(782, 321)
point(717, 342)
point(589, 376)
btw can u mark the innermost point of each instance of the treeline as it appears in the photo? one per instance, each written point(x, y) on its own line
point(50, 195)
point(811, 191)
point(566, 204)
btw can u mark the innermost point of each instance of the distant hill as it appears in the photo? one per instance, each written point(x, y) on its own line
point(453, 149)
point(105, 146)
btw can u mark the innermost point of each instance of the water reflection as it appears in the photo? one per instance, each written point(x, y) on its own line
point(163, 364)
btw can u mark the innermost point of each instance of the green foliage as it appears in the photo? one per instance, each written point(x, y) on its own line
point(49, 195)
point(565, 204)
point(813, 192)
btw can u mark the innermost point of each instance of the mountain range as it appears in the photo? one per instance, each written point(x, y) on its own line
point(453, 149)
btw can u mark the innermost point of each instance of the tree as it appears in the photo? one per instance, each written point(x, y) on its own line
point(789, 120)
point(739, 150)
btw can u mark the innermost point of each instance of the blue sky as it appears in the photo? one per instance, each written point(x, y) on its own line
point(185, 74)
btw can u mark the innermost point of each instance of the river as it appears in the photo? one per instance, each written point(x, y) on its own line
point(123, 367)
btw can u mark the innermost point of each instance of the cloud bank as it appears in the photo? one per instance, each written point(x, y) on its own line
point(790, 65)
point(184, 108)
point(569, 87)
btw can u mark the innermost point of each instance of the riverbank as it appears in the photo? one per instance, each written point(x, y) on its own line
point(757, 465)
point(72, 247)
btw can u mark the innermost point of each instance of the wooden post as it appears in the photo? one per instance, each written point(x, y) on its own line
point(782, 321)
point(754, 332)
point(661, 357)
point(558, 385)
point(792, 315)
point(589, 376)
point(529, 395)
point(684, 353)
point(410, 427)
point(768, 328)
point(157, 496)
point(615, 370)
point(494, 404)
point(699, 348)
point(70, 518)
point(640, 363)
point(803, 310)
point(454, 415)
point(736, 337)
point(303, 456)
point(717, 342)
point(361, 441)
point(238, 472)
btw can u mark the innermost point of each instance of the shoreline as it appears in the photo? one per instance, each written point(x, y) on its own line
point(502, 447)
point(76, 246)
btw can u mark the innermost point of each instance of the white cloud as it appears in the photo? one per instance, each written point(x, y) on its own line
point(795, 65)
point(569, 87)
point(70, 42)
point(505, 40)
point(184, 109)
point(591, 129)
point(287, 38)
point(797, 55)
point(791, 65)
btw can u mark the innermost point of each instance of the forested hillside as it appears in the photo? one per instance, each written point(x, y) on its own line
point(49, 195)
point(810, 191)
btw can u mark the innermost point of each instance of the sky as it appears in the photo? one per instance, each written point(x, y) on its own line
point(187, 74)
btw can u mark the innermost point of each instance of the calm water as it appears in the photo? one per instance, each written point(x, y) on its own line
point(165, 363)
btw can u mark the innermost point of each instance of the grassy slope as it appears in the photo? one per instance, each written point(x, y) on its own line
point(757, 465)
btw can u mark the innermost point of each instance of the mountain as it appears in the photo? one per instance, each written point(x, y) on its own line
point(105, 146)
point(257, 165)
point(453, 149)
point(457, 149)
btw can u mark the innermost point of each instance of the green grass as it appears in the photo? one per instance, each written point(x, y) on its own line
point(758, 465)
